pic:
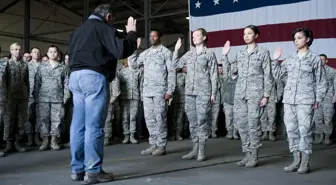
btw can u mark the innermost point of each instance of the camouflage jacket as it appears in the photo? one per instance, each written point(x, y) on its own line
point(114, 88)
point(255, 79)
point(202, 72)
point(32, 68)
point(229, 87)
point(51, 84)
point(331, 79)
point(159, 70)
point(179, 94)
point(4, 81)
point(129, 83)
point(306, 79)
point(141, 84)
point(19, 80)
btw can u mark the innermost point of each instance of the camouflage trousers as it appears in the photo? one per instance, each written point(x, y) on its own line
point(178, 117)
point(214, 116)
point(113, 115)
point(49, 117)
point(267, 119)
point(299, 124)
point(198, 110)
point(323, 118)
point(30, 126)
point(155, 109)
point(129, 110)
point(229, 119)
point(247, 113)
point(14, 119)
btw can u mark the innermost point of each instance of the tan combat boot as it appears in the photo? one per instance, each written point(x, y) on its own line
point(126, 139)
point(213, 134)
point(193, 154)
point(229, 134)
point(133, 140)
point(149, 150)
point(54, 144)
point(107, 141)
point(318, 138)
point(295, 164)
point(160, 150)
point(45, 144)
point(235, 134)
point(253, 161)
point(327, 140)
point(304, 166)
point(201, 152)
point(18, 147)
point(244, 160)
point(271, 136)
point(264, 136)
point(178, 136)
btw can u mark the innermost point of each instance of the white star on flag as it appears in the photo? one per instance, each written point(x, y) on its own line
point(216, 2)
point(198, 4)
point(235, 1)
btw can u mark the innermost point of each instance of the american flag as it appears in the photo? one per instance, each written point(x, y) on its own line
point(276, 19)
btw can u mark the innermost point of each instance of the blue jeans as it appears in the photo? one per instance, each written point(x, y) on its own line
point(90, 98)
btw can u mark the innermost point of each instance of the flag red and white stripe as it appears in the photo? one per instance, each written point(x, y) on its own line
point(275, 21)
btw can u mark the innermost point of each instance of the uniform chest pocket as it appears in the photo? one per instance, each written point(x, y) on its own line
point(202, 64)
point(256, 61)
point(157, 59)
point(306, 68)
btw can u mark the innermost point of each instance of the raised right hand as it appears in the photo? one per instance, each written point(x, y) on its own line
point(226, 48)
point(178, 44)
point(138, 42)
point(131, 24)
point(277, 53)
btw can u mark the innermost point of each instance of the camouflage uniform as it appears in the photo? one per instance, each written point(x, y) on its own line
point(50, 92)
point(178, 104)
point(4, 88)
point(255, 81)
point(215, 108)
point(17, 104)
point(268, 116)
point(324, 114)
point(306, 84)
point(31, 127)
point(159, 78)
point(228, 91)
point(129, 101)
point(114, 93)
point(201, 84)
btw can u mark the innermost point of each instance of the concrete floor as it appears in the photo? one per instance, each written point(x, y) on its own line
point(130, 168)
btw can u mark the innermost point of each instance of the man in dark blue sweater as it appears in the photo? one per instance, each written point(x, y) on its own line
point(93, 53)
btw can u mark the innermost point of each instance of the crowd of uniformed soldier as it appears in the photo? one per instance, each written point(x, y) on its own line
point(35, 100)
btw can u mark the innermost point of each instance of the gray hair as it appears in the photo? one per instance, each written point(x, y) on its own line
point(104, 9)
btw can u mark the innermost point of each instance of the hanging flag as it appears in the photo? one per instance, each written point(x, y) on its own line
point(276, 19)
